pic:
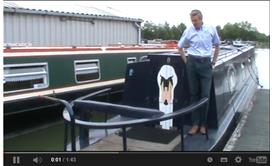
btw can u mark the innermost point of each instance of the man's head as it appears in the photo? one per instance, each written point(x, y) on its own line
point(196, 18)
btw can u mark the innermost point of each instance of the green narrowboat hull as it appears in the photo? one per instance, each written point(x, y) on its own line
point(62, 80)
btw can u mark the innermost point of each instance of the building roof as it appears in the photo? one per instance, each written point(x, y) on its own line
point(75, 11)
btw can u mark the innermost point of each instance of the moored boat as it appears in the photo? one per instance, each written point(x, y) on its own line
point(65, 72)
point(163, 76)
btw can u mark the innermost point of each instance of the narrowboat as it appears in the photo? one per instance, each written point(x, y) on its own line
point(154, 110)
point(65, 72)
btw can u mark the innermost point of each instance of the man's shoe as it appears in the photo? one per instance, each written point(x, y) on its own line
point(203, 130)
point(194, 130)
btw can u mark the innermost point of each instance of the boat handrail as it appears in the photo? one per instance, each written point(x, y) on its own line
point(129, 123)
point(69, 109)
point(141, 115)
point(124, 110)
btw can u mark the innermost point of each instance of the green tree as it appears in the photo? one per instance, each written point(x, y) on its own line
point(175, 33)
point(152, 31)
point(181, 28)
point(148, 30)
point(244, 31)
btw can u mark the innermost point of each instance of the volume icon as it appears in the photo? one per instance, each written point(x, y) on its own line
point(38, 160)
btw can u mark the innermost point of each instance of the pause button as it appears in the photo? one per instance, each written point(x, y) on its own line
point(16, 160)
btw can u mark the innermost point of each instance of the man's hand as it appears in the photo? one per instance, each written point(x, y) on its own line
point(184, 60)
point(182, 54)
point(213, 64)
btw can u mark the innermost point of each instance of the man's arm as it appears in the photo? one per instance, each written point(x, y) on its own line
point(182, 54)
point(216, 52)
point(216, 42)
point(181, 44)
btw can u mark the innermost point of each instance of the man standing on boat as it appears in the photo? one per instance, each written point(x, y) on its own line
point(200, 38)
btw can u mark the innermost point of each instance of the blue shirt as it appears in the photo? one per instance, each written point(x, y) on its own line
point(200, 41)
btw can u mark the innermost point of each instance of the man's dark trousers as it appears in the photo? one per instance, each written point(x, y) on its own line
point(199, 78)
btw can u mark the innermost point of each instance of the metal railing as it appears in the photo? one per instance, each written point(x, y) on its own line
point(140, 115)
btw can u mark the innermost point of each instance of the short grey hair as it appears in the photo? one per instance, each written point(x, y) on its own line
point(196, 13)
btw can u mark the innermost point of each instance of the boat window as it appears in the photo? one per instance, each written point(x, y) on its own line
point(131, 60)
point(87, 70)
point(23, 77)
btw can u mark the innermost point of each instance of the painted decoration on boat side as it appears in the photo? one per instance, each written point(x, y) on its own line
point(167, 81)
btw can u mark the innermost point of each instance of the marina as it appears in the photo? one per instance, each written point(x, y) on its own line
point(115, 93)
point(58, 126)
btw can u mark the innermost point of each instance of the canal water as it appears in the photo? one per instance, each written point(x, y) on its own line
point(40, 134)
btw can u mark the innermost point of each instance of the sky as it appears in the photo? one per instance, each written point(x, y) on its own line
point(174, 12)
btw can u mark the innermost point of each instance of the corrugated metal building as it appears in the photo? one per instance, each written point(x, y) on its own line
point(54, 28)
